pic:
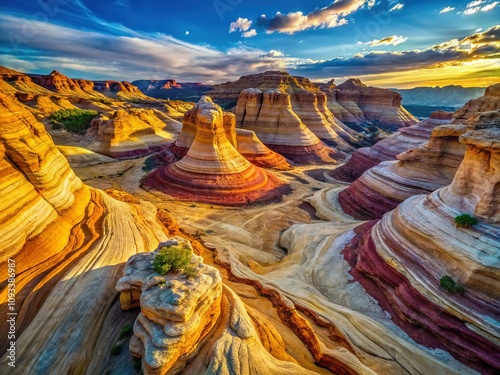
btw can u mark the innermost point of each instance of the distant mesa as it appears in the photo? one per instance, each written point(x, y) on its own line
point(213, 170)
point(171, 89)
point(121, 90)
point(401, 259)
point(125, 134)
point(446, 96)
point(484, 109)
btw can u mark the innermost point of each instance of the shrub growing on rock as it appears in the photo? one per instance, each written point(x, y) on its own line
point(450, 285)
point(465, 220)
point(172, 258)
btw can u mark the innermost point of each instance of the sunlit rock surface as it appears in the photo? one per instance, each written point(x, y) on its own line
point(388, 148)
point(418, 171)
point(401, 259)
point(213, 170)
point(127, 134)
point(67, 241)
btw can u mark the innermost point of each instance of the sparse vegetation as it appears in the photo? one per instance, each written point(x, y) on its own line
point(450, 285)
point(171, 258)
point(116, 349)
point(190, 272)
point(73, 120)
point(465, 220)
point(126, 331)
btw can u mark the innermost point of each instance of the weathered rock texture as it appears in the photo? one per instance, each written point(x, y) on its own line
point(381, 107)
point(197, 325)
point(401, 259)
point(307, 102)
point(121, 134)
point(418, 171)
point(471, 112)
point(388, 148)
point(250, 146)
point(269, 114)
point(67, 241)
point(176, 312)
point(213, 170)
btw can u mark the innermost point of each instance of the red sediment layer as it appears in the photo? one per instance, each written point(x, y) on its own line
point(358, 164)
point(424, 321)
point(317, 153)
point(232, 189)
point(271, 160)
point(362, 203)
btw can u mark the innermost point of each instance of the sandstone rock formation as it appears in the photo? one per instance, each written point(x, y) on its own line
point(61, 84)
point(401, 259)
point(269, 114)
point(121, 90)
point(121, 134)
point(213, 170)
point(307, 102)
point(418, 171)
point(381, 107)
point(171, 89)
point(488, 104)
point(177, 312)
point(67, 241)
point(186, 317)
point(387, 149)
point(250, 146)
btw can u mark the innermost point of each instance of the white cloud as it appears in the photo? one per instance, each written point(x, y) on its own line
point(475, 3)
point(102, 55)
point(478, 29)
point(393, 40)
point(489, 7)
point(398, 6)
point(273, 53)
point(249, 33)
point(241, 24)
point(187, 32)
point(447, 9)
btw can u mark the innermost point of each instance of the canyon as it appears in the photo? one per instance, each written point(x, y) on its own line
point(319, 221)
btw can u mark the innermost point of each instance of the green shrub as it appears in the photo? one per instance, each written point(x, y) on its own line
point(450, 285)
point(465, 220)
point(125, 331)
point(73, 120)
point(116, 349)
point(190, 272)
point(172, 258)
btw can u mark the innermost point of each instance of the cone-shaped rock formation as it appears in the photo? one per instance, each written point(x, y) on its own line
point(213, 170)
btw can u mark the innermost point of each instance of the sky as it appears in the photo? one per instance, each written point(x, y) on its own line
point(386, 43)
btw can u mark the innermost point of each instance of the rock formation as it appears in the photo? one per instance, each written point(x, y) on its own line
point(171, 89)
point(452, 95)
point(387, 149)
point(213, 170)
point(401, 259)
point(67, 241)
point(121, 90)
point(418, 171)
point(269, 114)
point(488, 104)
point(250, 146)
point(186, 317)
point(381, 107)
point(177, 312)
point(121, 134)
point(61, 84)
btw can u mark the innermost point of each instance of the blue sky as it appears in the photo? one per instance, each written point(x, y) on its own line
point(390, 43)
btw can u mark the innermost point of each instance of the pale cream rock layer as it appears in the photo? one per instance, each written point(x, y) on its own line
point(122, 134)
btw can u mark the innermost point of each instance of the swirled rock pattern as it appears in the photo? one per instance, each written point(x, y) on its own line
point(401, 259)
point(67, 241)
point(417, 171)
point(269, 114)
point(121, 134)
point(213, 170)
point(387, 149)
point(250, 146)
